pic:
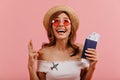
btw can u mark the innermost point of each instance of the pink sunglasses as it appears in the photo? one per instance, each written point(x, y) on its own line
point(56, 22)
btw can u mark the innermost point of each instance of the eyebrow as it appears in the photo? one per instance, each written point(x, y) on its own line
point(63, 17)
point(66, 17)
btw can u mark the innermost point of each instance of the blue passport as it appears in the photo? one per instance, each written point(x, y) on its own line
point(90, 42)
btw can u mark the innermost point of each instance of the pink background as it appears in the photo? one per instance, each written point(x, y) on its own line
point(21, 20)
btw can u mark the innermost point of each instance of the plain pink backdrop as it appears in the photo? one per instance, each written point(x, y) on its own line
point(21, 20)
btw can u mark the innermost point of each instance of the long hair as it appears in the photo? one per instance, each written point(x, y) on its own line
point(71, 38)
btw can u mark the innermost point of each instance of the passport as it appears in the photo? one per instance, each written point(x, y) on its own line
point(90, 42)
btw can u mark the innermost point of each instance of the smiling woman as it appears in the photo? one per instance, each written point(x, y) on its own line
point(60, 59)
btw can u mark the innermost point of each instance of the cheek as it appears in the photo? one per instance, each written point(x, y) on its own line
point(54, 30)
point(69, 29)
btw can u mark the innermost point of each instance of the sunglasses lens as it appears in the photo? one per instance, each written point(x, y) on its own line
point(66, 22)
point(56, 22)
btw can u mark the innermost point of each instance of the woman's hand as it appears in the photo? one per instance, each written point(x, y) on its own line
point(31, 62)
point(32, 55)
point(92, 56)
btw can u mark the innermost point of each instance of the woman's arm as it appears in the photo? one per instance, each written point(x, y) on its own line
point(92, 56)
point(87, 73)
point(32, 74)
point(35, 75)
point(42, 75)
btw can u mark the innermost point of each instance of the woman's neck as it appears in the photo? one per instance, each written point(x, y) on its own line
point(61, 44)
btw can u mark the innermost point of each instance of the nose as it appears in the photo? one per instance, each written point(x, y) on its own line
point(61, 24)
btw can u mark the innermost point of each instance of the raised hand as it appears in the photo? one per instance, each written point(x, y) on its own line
point(32, 54)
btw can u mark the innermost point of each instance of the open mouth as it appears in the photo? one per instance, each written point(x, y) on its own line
point(60, 31)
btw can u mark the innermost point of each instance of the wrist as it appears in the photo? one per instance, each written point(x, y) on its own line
point(31, 66)
point(93, 65)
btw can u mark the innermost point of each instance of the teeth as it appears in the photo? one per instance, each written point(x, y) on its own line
point(61, 31)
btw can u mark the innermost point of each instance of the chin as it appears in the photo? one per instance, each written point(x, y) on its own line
point(61, 37)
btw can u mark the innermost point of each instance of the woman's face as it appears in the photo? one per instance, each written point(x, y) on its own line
point(61, 26)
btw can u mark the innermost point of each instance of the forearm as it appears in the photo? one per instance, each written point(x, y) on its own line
point(89, 73)
point(32, 73)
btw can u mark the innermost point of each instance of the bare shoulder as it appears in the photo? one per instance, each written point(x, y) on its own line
point(42, 52)
point(45, 53)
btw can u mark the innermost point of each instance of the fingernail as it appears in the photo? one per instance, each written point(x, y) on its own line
point(85, 53)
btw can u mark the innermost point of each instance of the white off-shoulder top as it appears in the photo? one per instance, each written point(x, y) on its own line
point(62, 70)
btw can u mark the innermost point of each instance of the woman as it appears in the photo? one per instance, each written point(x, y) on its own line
point(60, 59)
